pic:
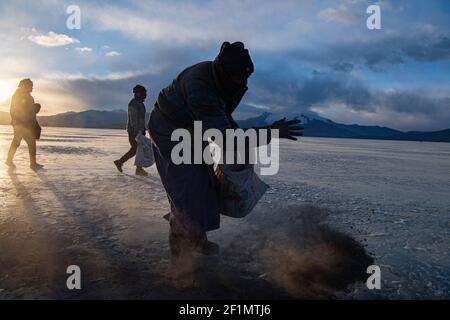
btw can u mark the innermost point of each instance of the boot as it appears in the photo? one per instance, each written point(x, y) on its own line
point(199, 244)
point(119, 165)
point(206, 247)
point(141, 172)
point(36, 166)
point(33, 164)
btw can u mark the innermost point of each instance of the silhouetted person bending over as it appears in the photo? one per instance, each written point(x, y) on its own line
point(23, 119)
point(209, 91)
point(135, 124)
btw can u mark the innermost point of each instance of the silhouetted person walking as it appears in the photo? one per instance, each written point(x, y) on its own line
point(23, 119)
point(135, 124)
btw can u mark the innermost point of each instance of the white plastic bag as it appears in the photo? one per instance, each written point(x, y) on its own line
point(144, 153)
point(240, 189)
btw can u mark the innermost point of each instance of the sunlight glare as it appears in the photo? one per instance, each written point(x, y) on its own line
point(6, 90)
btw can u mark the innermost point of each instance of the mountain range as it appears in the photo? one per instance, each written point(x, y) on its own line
point(315, 126)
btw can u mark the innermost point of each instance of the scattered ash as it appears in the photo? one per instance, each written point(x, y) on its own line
point(291, 253)
point(71, 150)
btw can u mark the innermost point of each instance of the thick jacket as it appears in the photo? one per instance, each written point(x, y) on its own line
point(136, 117)
point(22, 109)
point(195, 95)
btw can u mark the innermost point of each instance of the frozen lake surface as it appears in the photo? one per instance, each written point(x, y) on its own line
point(330, 195)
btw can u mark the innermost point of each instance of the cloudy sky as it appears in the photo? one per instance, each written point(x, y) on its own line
point(309, 55)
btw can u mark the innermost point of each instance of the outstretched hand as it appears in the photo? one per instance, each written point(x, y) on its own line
point(288, 129)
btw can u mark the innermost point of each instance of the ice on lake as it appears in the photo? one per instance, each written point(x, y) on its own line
point(331, 196)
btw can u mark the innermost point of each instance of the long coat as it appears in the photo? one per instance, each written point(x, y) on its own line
point(194, 95)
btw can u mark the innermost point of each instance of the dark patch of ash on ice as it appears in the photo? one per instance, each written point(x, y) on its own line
point(311, 259)
point(287, 253)
point(71, 150)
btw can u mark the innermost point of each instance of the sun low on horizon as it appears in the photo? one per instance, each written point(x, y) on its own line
point(7, 89)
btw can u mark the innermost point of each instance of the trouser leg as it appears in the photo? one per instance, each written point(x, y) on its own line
point(15, 143)
point(31, 149)
point(132, 152)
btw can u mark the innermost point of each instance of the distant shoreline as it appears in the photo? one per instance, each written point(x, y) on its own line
point(306, 136)
point(314, 126)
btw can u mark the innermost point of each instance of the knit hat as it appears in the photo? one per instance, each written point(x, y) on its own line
point(25, 83)
point(235, 59)
point(139, 88)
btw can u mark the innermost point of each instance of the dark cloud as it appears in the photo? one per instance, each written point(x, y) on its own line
point(398, 48)
point(153, 68)
point(342, 89)
point(415, 103)
point(427, 48)
point(342, 66)
point(328, 88)
point(377, 51)
point(106, 94)
point(320, 88)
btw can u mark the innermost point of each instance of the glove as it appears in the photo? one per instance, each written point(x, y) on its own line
point(288, 129)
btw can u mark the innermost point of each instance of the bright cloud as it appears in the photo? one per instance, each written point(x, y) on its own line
point(338, 15)
point(113, 54)
point(52, 39)
point(83, 49)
